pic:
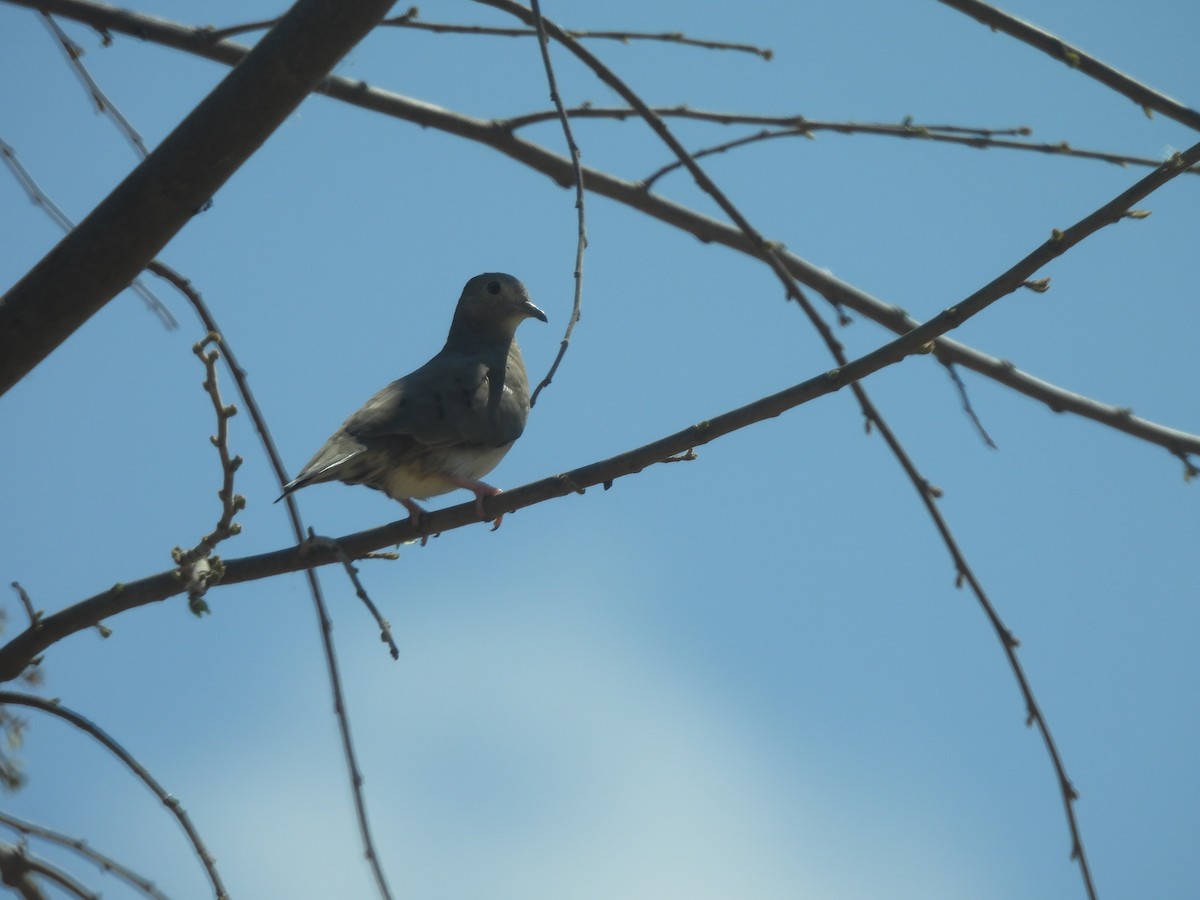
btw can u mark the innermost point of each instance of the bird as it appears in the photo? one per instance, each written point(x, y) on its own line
point(450, 422)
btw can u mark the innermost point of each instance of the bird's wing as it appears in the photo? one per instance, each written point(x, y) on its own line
point(450, 400)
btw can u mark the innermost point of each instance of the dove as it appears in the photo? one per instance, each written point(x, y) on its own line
point(450, 422)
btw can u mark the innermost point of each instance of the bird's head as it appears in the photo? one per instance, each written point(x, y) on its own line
point(492, 305)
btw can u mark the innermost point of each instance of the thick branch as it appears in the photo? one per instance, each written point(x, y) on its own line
point(106, 250)
point(357, 93)
point(20, 651)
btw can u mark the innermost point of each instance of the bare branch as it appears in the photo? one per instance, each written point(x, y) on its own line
point(343, 718)
point(799, 126)
point(914, 132)
point(98, 734)
point(625, 37)
point(683, 111)
point(409, 20)
point(1144, 96)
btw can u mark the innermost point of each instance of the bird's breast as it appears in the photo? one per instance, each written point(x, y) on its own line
point(431, 473)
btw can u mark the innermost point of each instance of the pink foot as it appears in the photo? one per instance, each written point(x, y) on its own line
point(480, 490)
point(415, 513)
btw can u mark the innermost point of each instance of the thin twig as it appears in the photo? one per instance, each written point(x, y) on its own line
point(385, 627)
point(74, 54)
point(683, 111)
point(171, 803)
point(39, 198)
point(409, 20)
point(1145, 97)
point(914, 132)
point(580, 207)
point(102, 861)
point(1190, 470)
point(198, 567)
point(624, 37)
point(968, 408)
point(799, 126)
point(35, 615)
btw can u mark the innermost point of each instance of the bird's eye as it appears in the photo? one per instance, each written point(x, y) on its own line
point(493, 287)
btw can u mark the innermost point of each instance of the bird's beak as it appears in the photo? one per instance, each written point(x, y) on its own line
point(533, 312)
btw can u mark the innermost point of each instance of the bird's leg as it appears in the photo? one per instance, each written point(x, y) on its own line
point(480, 490)
point(415, 514)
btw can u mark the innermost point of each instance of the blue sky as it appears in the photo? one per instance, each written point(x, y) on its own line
point(750, 675)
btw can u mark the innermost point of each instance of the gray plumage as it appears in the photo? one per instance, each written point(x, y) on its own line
point(450, 422)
